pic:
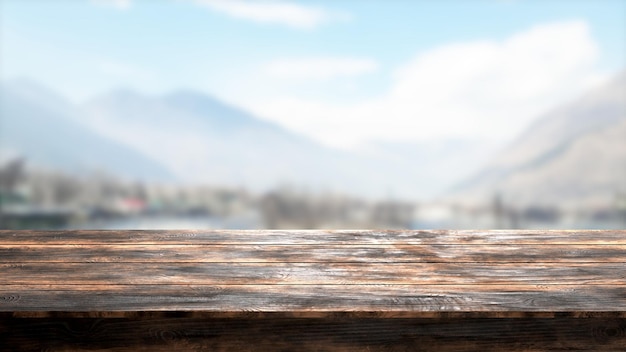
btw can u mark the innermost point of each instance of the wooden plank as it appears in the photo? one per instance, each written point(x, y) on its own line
point(312, 314)
point(315, 273)
point(289, 334)
point(419, 299)
point(308, 253)
point(296, 237)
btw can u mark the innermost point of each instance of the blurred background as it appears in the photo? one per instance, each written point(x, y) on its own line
point(143, 114)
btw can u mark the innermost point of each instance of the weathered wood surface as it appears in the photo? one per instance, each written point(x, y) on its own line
point(411, 301)
point(310, 253)
point(312, 290)
point(300, 237)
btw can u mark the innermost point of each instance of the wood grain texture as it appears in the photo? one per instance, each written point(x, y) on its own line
point(308, 253)
point(314, 273)
point(312, 290)
point(299, 237)
point(417, 300)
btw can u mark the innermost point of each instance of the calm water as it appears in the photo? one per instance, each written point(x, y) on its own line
point(171, 223)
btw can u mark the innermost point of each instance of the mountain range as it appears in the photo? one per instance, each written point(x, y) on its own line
point(42, 127)
point(189, 137)
point(574, 156)
point(203, 140)
point(573, 153)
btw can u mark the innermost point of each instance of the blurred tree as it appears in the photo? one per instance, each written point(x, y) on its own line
point(11, 174)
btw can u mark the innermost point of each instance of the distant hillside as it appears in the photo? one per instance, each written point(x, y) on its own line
point(573, 156)
point(195, 138)
point(41, 127)
point(204, 140)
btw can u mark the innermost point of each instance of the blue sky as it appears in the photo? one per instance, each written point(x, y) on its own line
point(399, 70)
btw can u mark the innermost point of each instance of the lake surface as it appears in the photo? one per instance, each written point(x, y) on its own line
point(171, 223)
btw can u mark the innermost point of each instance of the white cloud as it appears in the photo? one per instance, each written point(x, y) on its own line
point(481, 89)
point(274, 12)
point(117, 4)
point(319, 68)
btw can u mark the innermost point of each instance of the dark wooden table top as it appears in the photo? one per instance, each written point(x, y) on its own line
point(388, 274)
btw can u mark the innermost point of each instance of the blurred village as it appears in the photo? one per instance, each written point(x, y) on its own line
point(42, 199)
